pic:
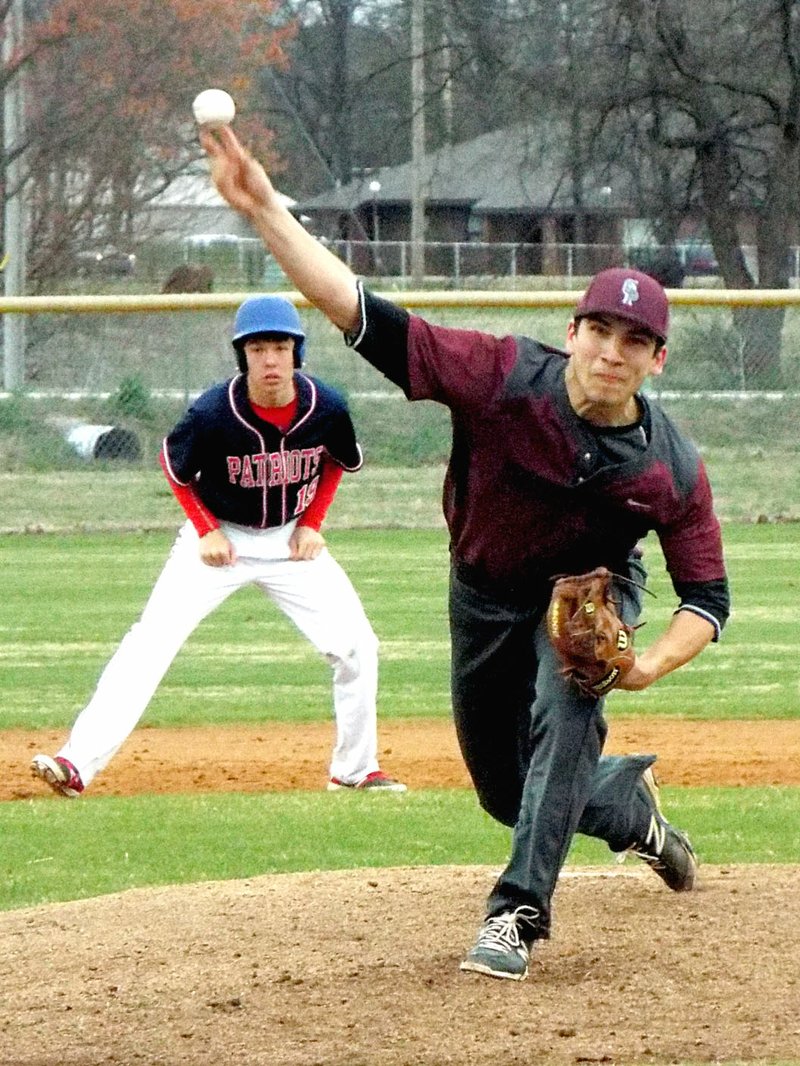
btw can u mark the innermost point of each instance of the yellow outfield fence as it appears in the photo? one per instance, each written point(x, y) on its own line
point(413, 299)
point(721, 340)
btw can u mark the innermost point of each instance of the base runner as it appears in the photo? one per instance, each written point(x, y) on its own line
point(255, 463)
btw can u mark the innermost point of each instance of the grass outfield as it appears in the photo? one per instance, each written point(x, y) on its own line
point(67, 601)
point(752, 474)
point(55, 850)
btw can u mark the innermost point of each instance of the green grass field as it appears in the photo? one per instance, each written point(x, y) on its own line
point(68, 600)
point(55, 850)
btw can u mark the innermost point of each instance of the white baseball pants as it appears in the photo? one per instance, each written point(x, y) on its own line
point(316, 595)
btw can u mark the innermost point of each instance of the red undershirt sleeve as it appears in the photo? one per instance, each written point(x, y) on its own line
point(194, 509)
point(314, 514)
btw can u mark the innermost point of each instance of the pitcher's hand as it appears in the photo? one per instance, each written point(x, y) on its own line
point(238, 176)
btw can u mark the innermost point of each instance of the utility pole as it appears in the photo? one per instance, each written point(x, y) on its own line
point(417, 142)
point(14, 254)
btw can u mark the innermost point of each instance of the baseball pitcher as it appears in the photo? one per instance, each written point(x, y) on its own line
point(560, 465)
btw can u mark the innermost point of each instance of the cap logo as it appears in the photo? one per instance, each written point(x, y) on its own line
point(630, 292)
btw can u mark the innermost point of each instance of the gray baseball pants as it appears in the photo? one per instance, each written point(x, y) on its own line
point(532, 743)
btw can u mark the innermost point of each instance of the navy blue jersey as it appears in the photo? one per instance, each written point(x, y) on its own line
point(247, 471)
point(532, 490)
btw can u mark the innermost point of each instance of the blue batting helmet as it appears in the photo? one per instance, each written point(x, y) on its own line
point(267, 314)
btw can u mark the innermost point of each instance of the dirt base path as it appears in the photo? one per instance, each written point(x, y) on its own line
point(423, 753)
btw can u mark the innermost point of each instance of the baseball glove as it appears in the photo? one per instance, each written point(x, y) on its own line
point(593, 643)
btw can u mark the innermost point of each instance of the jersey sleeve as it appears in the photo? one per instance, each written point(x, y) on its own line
point(456, 367)
point(708, 599)
point(181, 450)
point(382, 336)
point(339, 434)
point(343, 447)
point(692, 546)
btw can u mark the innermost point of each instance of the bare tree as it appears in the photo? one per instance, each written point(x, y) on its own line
point(700, 101)
point(715, 88)
point(341, 105)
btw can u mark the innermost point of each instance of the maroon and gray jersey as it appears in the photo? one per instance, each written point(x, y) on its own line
point(246, 470)
point(532, 490)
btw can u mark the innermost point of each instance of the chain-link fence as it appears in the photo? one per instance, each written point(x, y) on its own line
point(462, 264)
point(100, 390)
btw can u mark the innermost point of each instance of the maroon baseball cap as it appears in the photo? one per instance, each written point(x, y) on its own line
point(628, 294)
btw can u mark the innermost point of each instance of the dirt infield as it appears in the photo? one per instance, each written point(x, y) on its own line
point(351, 968)
point(423, 753)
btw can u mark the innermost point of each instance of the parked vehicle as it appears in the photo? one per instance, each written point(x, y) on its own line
point(107, 262)
point(672, 263)
point(697, 258)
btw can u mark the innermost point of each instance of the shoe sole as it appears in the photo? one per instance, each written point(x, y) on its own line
point(333, 787)
point(479, 967)
point(47, 770)
point(690, 883)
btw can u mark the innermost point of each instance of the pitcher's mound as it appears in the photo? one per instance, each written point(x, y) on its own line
point(360, 967)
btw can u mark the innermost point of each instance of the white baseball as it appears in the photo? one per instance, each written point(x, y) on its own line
point(213, 107)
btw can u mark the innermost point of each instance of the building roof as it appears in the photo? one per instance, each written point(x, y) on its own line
point(195, 189)
point(513, 169)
